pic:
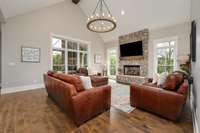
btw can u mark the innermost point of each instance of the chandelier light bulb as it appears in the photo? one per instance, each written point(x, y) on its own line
point(101, 20)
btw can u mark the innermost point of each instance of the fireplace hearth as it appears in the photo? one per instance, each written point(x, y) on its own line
point(133, 70)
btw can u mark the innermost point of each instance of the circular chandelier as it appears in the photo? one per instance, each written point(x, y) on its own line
point(101, 20)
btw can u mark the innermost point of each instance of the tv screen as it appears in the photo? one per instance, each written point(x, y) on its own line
point(131, 49)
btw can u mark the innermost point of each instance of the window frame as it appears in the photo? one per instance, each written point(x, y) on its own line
point(66, 50)
point(168, 39)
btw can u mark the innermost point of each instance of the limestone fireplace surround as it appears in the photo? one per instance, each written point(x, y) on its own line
point(140, 62)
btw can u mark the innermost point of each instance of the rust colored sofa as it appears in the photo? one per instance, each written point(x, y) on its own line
point(80, 104)
point(99, 80)
point(82, 72)
point(167, 100)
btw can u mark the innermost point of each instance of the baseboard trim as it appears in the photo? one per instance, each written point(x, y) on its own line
point(21, 88)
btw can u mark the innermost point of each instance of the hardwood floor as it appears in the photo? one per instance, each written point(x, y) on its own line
point(34, 112)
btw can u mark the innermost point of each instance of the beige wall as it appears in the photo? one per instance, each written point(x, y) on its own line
point(182, 31)
point(196, 65)
point(34, 29)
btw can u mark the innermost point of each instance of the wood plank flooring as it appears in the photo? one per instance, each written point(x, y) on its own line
point(34, 112)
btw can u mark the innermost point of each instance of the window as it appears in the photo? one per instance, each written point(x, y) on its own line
point(112, 62)
point(68, 55)
point(165, 56)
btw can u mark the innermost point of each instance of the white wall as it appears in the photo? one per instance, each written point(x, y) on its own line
point(196, 65)
point(112, 44)
point(182, 31)
point(0, 53)
point(34, 29)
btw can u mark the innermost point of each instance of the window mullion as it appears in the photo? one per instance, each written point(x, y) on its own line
point(78, 56)
point(66, 56)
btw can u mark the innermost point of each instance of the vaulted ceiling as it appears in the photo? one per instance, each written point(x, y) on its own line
point(11, 8)
point(139, 14)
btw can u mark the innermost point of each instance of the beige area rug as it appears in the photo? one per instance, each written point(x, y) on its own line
point(120, 96)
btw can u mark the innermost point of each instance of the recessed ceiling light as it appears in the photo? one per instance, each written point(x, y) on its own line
point(122, 12)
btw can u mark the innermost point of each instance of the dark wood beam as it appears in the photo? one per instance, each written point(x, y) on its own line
point(75, 1)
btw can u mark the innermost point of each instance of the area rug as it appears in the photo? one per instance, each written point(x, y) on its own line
point(120, 97)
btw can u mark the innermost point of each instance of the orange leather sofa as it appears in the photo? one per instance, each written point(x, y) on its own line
point(80, 104)
point(167, 100)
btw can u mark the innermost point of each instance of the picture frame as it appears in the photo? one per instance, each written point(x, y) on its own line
point(30, 54)
point(193, 41)
point(97, 59)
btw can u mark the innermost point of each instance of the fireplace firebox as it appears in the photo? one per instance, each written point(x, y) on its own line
point(133, 70)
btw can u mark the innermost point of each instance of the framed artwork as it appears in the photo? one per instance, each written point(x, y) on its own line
point(193, 41)
point(30, 54)
point(97, 59)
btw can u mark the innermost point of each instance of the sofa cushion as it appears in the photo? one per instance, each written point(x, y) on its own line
point(183, 89)
point(51, 73)
point(151, 84)
point(173, 81)
point(56, 75)
point(72, 79)
point(170, 82)
point(179, 78)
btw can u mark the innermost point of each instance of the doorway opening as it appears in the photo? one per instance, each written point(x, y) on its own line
point(112, 62)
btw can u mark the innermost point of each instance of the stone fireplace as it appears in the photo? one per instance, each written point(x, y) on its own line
point(133, 70)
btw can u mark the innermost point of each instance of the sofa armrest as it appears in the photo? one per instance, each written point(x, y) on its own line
point(171, 104)
point(142, 96)
point(91, 102)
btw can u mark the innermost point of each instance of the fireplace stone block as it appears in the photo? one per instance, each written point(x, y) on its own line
point(141, 61)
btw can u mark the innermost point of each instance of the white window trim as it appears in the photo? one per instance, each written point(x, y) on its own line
point(78, 41)
point(168, 39)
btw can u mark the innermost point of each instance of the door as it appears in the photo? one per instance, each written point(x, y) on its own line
point(112, 62)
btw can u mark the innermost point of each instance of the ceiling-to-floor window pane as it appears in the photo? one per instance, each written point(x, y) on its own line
point(72, 62)
point(83, 59)
point(165, 56)
point(68, 55)
point(59, 60)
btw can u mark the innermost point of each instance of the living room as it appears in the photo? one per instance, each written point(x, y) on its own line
point(137, 72)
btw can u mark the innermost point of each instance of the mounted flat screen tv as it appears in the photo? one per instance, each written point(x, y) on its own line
point(131, 49)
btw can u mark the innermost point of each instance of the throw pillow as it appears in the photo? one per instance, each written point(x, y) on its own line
point(155, 78)
point(170, 83)
point(86, 82)
point(72, 79)
point(184, 88)
point(161, 79)
point(173, 81)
